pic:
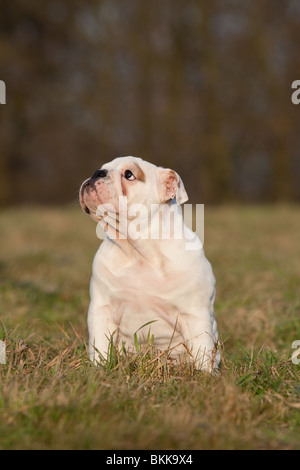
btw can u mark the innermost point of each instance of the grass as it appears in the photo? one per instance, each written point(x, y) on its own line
point(52, 398)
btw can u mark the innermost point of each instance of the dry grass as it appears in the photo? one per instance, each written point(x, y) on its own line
point(52, 398)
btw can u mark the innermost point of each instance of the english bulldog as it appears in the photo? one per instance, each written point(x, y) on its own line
point(144, 282)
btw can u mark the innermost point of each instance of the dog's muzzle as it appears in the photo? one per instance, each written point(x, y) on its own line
point(90, 182)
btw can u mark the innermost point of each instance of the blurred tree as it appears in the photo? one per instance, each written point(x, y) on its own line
point(203, 87)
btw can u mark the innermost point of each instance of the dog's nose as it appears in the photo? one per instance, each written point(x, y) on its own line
point(99, 174)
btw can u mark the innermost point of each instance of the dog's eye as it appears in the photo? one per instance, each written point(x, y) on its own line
point(129, 175)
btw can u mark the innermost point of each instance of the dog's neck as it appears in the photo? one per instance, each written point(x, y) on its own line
point(143, 238)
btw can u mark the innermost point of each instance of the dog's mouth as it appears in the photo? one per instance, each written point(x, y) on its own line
point(98, 197)
point(91, 197)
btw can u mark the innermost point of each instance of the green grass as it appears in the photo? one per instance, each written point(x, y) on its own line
point(51, 397)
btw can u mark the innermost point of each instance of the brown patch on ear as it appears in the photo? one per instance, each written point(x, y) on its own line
point(170, 186)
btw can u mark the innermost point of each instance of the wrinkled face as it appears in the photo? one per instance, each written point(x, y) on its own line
point(133, 178)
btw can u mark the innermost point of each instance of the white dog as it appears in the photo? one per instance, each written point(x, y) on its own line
point(140, 276)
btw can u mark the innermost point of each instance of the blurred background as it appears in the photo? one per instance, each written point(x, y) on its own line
point(203, 87)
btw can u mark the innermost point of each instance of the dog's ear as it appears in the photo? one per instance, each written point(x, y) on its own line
point(170, 185)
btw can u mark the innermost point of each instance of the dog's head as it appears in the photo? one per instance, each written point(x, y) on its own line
point(139, 181)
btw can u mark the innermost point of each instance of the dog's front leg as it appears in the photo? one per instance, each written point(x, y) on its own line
point(101, 329)
point(203, 339)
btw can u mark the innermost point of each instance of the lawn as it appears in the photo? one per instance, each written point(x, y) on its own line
point(52, 398)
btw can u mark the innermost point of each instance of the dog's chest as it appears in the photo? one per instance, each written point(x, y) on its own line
point(142, 293)
point(145, 301)
point(141, 280)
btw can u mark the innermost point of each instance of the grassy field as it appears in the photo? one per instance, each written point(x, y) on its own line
point(52, 398)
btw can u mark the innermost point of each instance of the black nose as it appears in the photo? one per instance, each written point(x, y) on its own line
point(99, 174)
